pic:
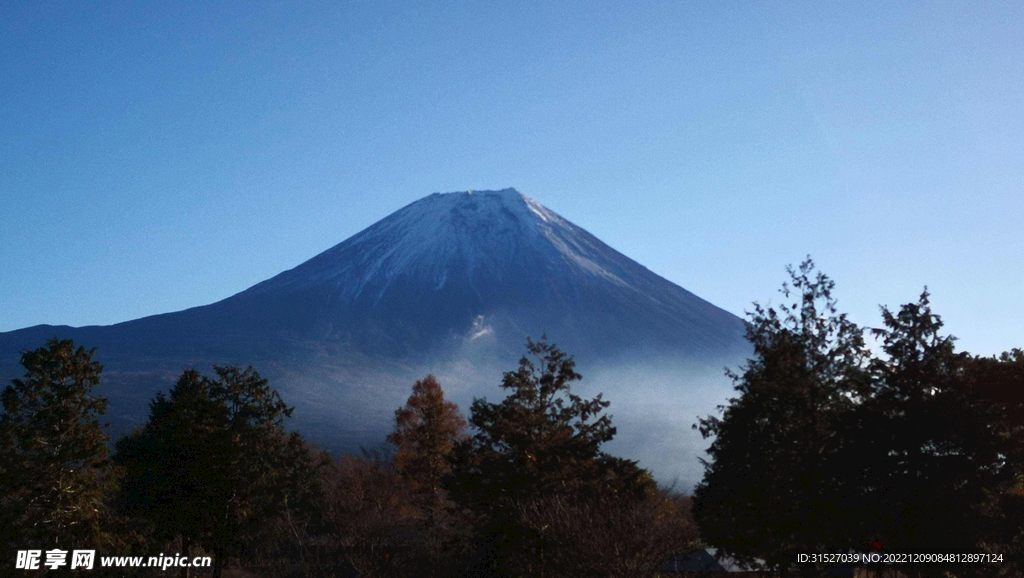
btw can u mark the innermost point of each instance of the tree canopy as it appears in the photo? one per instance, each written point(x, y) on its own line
point(769, 486)
point(426, 431)
point(829, 447)
point(541, 439)
point(213, 463)
point(55, 474)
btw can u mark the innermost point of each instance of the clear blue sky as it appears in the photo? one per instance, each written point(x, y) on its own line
point(160, 155)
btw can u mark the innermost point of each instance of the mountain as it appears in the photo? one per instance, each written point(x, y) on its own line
point(452, 283)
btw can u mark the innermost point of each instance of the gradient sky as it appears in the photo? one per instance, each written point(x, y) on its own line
point(156, 156)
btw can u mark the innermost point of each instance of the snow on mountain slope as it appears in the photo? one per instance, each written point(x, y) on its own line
point(484, 231)
point(453, 284)
point(435, 268)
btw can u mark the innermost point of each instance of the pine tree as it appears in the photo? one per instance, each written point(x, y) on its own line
point(55, 475)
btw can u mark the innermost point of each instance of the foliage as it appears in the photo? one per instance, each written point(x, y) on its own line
point(213, 464)
point(828, 448)
point(540, 441)
point(55, 474)
point(769, 489)
point(998, 382)
point(366, 514)
point(610, 535)
point(929, 457)
point(426, 431)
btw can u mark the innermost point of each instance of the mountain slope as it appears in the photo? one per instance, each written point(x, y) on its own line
point(448, 278)
point(427, 273)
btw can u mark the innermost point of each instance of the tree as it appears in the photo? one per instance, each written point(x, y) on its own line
point(542, 438)
point(936, 453)
point(540, 441)
point(999, 382)
point(367, 512)
point(426, 431)
point(213, 464)
point(829, 448)
point(774, 485)
point(168, 463)
point(55, 475)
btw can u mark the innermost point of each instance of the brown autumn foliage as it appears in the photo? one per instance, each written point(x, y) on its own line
point(621, 535)
point(426, 431)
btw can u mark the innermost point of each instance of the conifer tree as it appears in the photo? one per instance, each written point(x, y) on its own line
point(934, 458)
point(168, 461)
point(55, 475)
point(541, 441)
point(214, 462)
point(774, 484)
point(542, 438)
point(426, 431)
point(828, 448)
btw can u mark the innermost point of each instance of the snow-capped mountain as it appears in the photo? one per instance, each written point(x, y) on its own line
point(450, 277)
point(473, 264)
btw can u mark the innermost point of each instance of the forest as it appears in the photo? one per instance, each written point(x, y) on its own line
point(830, 445)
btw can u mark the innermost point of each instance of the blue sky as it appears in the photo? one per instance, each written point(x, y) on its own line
point(155, 157)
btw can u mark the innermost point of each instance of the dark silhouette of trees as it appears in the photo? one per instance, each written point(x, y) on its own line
point(213, 464)
point(55, 474)
point(169, 461)
point(769, 489)
point(828, 448)
point(541, 441)
point(999, 382)
point(213, 472)
point(364, 509)
point(613, 535)
point(930, 456)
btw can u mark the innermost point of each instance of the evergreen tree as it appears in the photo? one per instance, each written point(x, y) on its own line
point(933, 457)
point(999, 382)
point(774, 485)
point(540, 441)
point(55, 475)
point(828, 448)
point(168, 462)
point(213, 464)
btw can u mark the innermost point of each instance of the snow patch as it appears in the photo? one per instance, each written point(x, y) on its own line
point(480, 329)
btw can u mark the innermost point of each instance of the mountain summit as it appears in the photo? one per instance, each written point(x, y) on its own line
point(479, 263)
point(455, 278)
